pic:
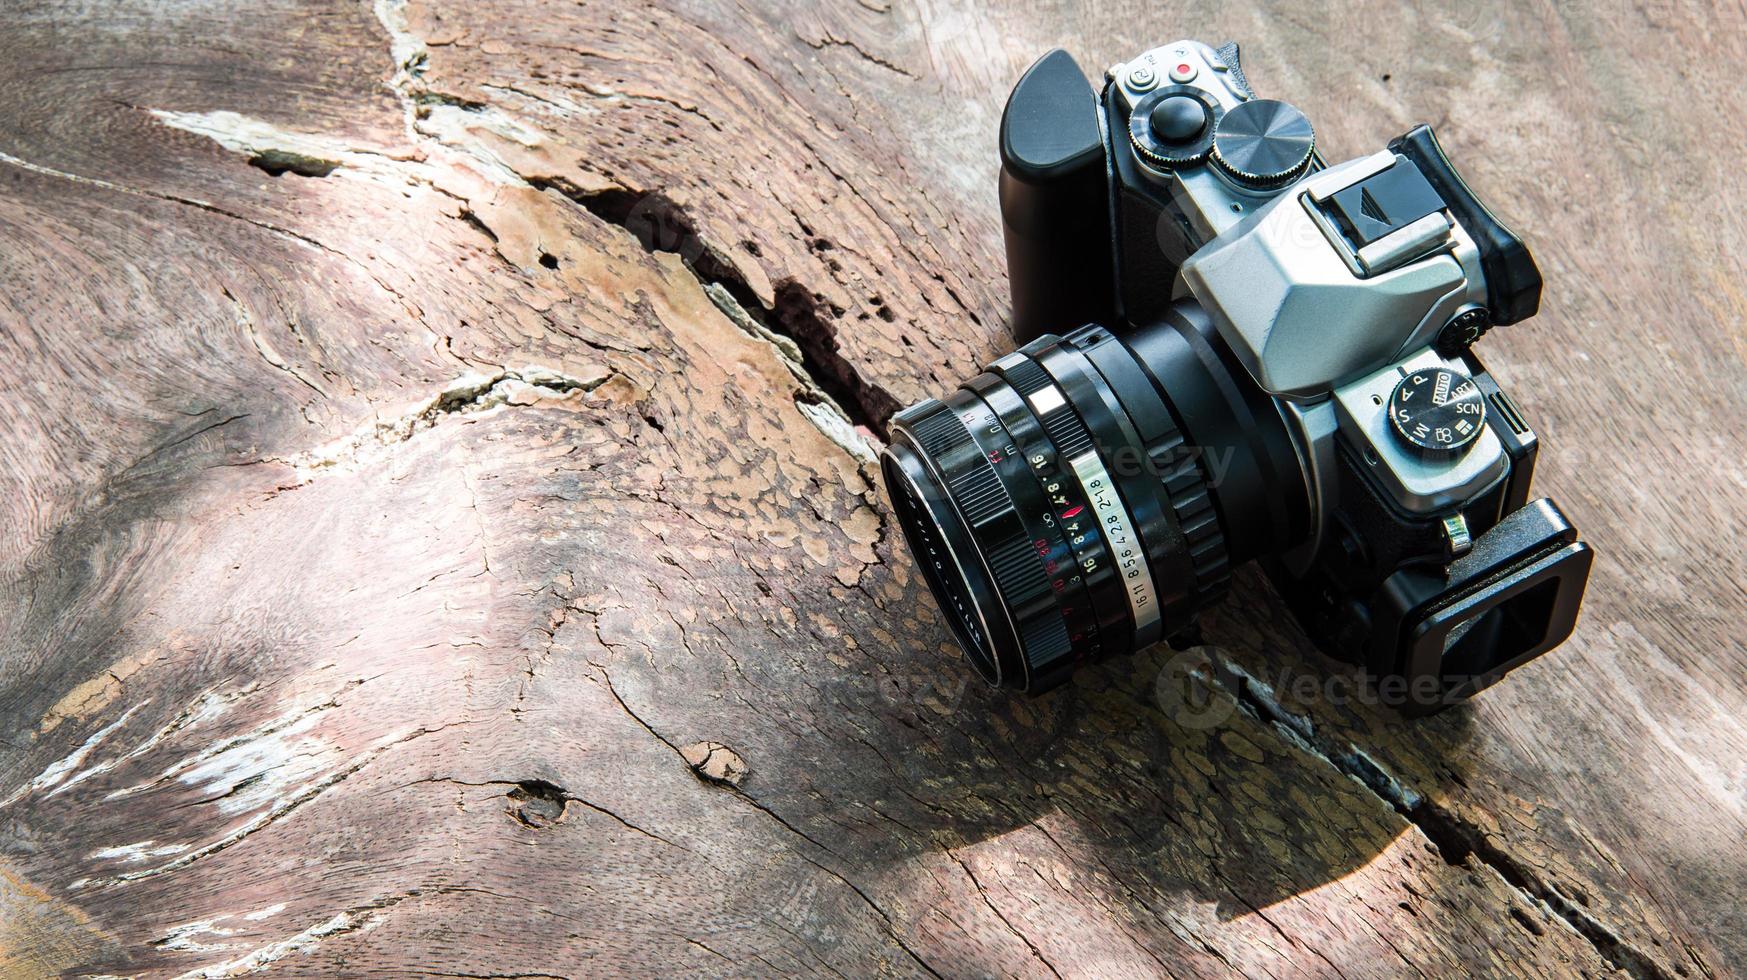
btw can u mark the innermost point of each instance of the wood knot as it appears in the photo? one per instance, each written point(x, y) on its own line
point(714, 762)
point(538, 803)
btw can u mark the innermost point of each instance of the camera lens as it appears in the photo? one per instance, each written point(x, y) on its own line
point(1061, 508)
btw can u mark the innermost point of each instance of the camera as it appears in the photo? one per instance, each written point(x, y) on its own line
point(1233, 351)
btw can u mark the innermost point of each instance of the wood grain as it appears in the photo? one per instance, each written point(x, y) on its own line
point(438, 534)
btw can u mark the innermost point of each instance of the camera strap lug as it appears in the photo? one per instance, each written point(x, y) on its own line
point(1456, 538)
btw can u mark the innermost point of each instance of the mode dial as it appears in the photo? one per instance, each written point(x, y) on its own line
point(1263, 143)
point(1437, 412)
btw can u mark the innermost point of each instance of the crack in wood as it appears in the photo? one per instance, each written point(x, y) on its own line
point(1457, 840)
point(52, 776)
point(820, 407)
point(837, 402)
point(832, 41)
point(470, 394)
point(983, 893)
point(661, 225)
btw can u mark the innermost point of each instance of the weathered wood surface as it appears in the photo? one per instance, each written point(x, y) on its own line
point(416, 559)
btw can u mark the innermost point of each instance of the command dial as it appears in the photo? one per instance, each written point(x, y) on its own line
point(1263, 143)
point(1437, 411)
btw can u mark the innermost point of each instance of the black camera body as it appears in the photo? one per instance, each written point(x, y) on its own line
point(1233, 351)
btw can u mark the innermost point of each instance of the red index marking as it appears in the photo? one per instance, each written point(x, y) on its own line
point(1070, 513)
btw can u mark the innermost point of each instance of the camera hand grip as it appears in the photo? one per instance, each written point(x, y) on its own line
point(1055, 201)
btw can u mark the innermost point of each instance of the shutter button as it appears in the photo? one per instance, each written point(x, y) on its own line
point(1178, 119)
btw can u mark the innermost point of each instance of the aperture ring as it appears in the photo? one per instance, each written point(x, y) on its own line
point(1055, 494)
point(1071, 405)
point(1039, 390)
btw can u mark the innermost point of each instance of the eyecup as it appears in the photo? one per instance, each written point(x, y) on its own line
point(1513, 281)
point(1441, 638)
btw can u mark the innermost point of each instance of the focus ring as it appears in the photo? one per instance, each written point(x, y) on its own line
point(1045, 641)
point(952, 456)
point(1016, 572)
point(1181, 468)
point(941, 544)
point(979, 494)
point(1034, 568)
point(934, 430)
point(1029, 564)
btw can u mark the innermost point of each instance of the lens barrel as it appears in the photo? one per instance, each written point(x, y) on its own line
point(1062, 512)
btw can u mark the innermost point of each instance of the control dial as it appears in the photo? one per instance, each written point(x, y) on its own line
point(1172, 127)
point(1263, 143)
point(1463, 330)
point(1437, 412)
